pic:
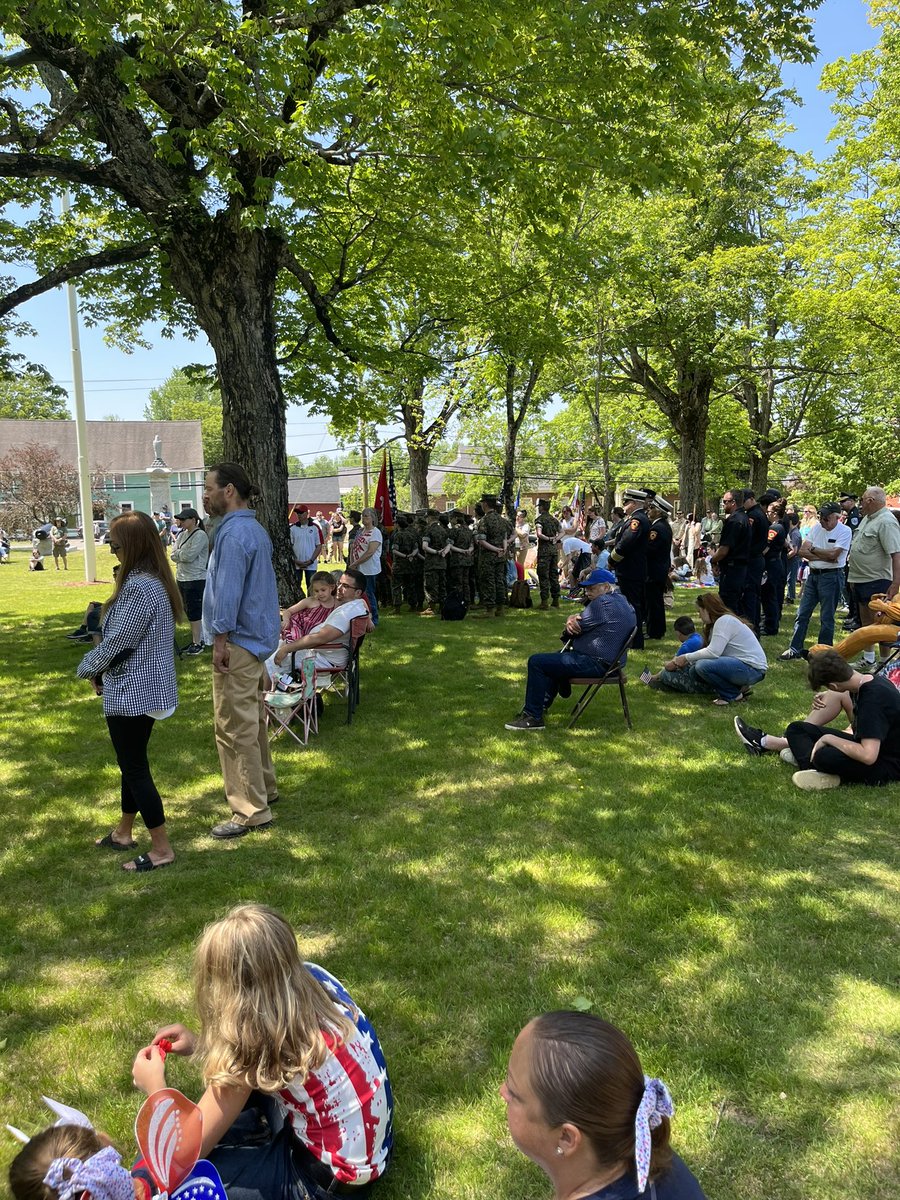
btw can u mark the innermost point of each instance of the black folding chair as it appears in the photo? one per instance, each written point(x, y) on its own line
point(592, 685)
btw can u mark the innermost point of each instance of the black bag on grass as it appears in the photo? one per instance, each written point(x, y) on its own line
point(454, 607)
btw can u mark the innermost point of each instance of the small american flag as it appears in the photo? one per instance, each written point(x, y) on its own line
point(646, 675)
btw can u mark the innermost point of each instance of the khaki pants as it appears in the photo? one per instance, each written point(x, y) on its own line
point(242, 739)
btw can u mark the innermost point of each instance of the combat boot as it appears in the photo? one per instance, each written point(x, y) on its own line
point(545, 605)
point(484, 612)
point(398, 609)
point(556, 601)
point(498, 611)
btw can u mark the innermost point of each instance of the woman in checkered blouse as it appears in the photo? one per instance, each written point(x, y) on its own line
point(133, 669)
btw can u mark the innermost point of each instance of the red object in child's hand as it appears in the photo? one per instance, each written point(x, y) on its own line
point(165, 1047)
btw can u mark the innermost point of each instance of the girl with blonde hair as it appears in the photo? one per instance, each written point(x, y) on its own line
point(280, 1037)
point(133, 669)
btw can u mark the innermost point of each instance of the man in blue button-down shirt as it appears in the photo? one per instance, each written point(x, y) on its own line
point(241, 619)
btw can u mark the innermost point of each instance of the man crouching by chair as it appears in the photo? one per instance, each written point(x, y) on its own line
point(594, 637)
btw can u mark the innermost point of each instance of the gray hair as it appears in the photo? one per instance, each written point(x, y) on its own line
point(879, 495)
point(372, 513)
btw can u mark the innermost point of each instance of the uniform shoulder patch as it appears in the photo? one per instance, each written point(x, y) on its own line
point(652, 534)
point(773, 534)
point(635, 524)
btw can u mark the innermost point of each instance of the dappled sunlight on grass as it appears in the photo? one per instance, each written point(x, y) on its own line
point(461, 878)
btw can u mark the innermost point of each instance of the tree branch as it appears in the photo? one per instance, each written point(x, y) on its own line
point(317, 300)
point(114, 256)
point(51, 166)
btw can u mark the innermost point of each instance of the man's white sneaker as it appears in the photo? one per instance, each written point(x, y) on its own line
point(815, 781)
point(787, 757)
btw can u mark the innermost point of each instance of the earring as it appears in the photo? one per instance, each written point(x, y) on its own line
point(559, 1150)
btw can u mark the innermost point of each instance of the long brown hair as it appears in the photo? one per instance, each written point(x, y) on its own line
point(141, 550)
point(711, 608)
point(586, 1072)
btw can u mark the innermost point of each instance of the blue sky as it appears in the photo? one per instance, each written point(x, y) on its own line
point(118, 383)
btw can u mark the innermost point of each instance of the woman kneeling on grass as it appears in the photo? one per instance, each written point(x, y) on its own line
point(580, 1106)
point(133, 669)
point(729, 663)
point(280, 1039)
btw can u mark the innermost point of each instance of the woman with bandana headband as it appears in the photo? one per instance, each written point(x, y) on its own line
point(579, 1105)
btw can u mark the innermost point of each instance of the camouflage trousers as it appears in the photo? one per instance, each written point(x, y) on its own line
point(492, 580)
point(435, 587)
point(458, 581)
point(403, 587)
point(548, 575)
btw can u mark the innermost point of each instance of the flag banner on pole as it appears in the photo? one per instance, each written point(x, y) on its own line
point(382, 503)
point(518, 496)
point(573, 503)
point(392, 489)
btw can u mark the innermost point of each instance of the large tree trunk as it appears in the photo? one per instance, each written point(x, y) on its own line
point(419, 460)
point(230, 279)
point(518, 398)
point(691, 422)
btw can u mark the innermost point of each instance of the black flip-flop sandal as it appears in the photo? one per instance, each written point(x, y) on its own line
point(144, 862)
point(109, 843)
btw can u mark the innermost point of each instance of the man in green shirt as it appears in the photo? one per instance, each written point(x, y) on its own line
point(874, 562)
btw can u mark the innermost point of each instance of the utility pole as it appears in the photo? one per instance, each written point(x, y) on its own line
point(84, 467)
point(364, 453)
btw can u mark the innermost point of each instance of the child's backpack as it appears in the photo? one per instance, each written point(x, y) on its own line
point(520, 595)
point(454, 607)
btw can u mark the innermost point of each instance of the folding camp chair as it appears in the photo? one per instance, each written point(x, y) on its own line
point(615, 674)
point(345, 680)
point(282, 708)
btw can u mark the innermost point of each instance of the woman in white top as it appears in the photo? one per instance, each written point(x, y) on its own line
point(366, 556)
point(730, 662)
point(523, 529)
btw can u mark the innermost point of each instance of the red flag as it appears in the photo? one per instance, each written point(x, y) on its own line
point(382, 503)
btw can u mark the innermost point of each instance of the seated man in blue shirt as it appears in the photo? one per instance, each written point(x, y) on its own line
point(595, 638)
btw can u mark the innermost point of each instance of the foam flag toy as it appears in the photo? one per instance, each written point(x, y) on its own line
point(169, 1131)
point(65, 1116)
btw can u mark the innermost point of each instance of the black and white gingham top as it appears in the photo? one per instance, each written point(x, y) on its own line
point(136, 657)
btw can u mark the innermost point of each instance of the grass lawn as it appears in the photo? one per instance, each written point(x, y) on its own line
point(461, 879)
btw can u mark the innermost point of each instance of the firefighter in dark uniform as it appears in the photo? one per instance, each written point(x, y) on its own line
point(659, 564)
point(756, 563)
point(629, 558)
point(851, 518)
point(733, 550)
point(776, 570)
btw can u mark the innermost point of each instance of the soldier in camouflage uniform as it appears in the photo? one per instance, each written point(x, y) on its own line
point(492, 559)
point(548, 532)
point(435, 548)
point(459, 562)
point(476, 527)
point(404, 552)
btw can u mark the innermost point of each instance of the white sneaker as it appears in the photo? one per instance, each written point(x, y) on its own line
point(787, 757)
point(815, 781)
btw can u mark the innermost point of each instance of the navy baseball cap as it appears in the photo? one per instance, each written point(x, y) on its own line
point(598, 576)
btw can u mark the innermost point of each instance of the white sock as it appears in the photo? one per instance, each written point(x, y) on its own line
point(869, 656)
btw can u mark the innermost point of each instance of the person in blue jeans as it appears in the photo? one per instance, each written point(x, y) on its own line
point(825, 549)
point(595, 639)
point(729, 663)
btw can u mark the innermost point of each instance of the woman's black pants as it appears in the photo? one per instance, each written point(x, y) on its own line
point(130, 736)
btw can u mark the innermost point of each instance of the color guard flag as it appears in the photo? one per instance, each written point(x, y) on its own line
point(382, 503)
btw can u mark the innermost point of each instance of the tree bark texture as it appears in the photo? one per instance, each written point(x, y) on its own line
point(229, 277)
point(519, 393)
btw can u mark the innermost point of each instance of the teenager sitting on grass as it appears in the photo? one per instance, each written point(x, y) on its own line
point(729, 663)
point(868, 752)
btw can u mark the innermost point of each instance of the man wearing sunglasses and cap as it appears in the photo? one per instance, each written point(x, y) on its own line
point(825, 549)
point(595, 638)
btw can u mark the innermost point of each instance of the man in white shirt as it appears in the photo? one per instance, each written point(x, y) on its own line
point(334, 632)
point(306, 542)
point(825, 549)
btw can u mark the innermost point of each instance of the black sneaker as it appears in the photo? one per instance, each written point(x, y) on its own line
point(752, 738)
point(193, 648)
point(79, 634)
point(790, 654)
point(525, 722)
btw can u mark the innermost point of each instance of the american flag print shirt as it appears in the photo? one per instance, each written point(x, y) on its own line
point(343, 1112)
